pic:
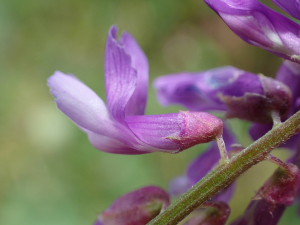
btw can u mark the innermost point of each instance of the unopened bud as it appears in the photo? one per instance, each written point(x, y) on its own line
point(135, 208)
point(196, 128)
point(281, 187)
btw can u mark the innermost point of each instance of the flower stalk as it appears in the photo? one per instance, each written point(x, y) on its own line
point(226, 173)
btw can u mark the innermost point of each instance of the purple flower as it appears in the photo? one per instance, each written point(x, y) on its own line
point(200, 166)
point(292, 7)
point(241, 94)
point(135, 208)
point(289, 74)
point(281, 187)
point(120, 126)
point(260, 26)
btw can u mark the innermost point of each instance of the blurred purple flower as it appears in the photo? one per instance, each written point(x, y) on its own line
point(241, 94)
point(260, 26)
point(200, 166)
point(135, 208)
point(120, 127)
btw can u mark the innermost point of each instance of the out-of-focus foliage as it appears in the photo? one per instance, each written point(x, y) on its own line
point(49, 172)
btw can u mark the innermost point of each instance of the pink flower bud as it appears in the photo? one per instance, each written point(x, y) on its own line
point(135, 208)
point(281, 187)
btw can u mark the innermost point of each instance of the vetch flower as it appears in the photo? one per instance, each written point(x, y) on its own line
point(260, 26)
point(241, 94)
point(135, 208)
point(120, 126)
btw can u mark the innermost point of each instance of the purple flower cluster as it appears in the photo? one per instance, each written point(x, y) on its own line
point(120, 126)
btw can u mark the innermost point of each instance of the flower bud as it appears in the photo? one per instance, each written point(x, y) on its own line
point(135, 208)
point(196, 128)
point(217, 214)
point(281, 187)
point(260, 212)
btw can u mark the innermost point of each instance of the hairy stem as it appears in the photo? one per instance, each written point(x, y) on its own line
point(226, 173)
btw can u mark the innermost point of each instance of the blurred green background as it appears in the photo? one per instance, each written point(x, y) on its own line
point(49, 172)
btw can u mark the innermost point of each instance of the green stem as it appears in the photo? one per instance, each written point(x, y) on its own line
point(226, 173)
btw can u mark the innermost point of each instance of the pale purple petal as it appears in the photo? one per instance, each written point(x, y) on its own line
point(111, 145)
point(200, 91)
point(179, 185)
point(154, 129)
point(79, 102)
point(177, 131)
point(289, 6)
point(120, 77)
point(137, 103)
point(260, 26)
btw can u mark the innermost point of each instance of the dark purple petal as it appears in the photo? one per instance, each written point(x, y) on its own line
point(136, 208)
point(257, 108)
point(199, 91)
point(289, 6)
point(79, 102)
point(137, 103)
point(260, 26)
point(260, 212)
point(289, 74)
point(176, 132)
point(120, 77)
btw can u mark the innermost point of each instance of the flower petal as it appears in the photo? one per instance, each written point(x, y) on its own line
point(111, 145)
point(137, 103)
point(260, 212)
point(289, 6)
point(79, 102)
point(289, 74)
point(177, 131)
point(154, 129)
point(120, 77)
point(260, 26)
